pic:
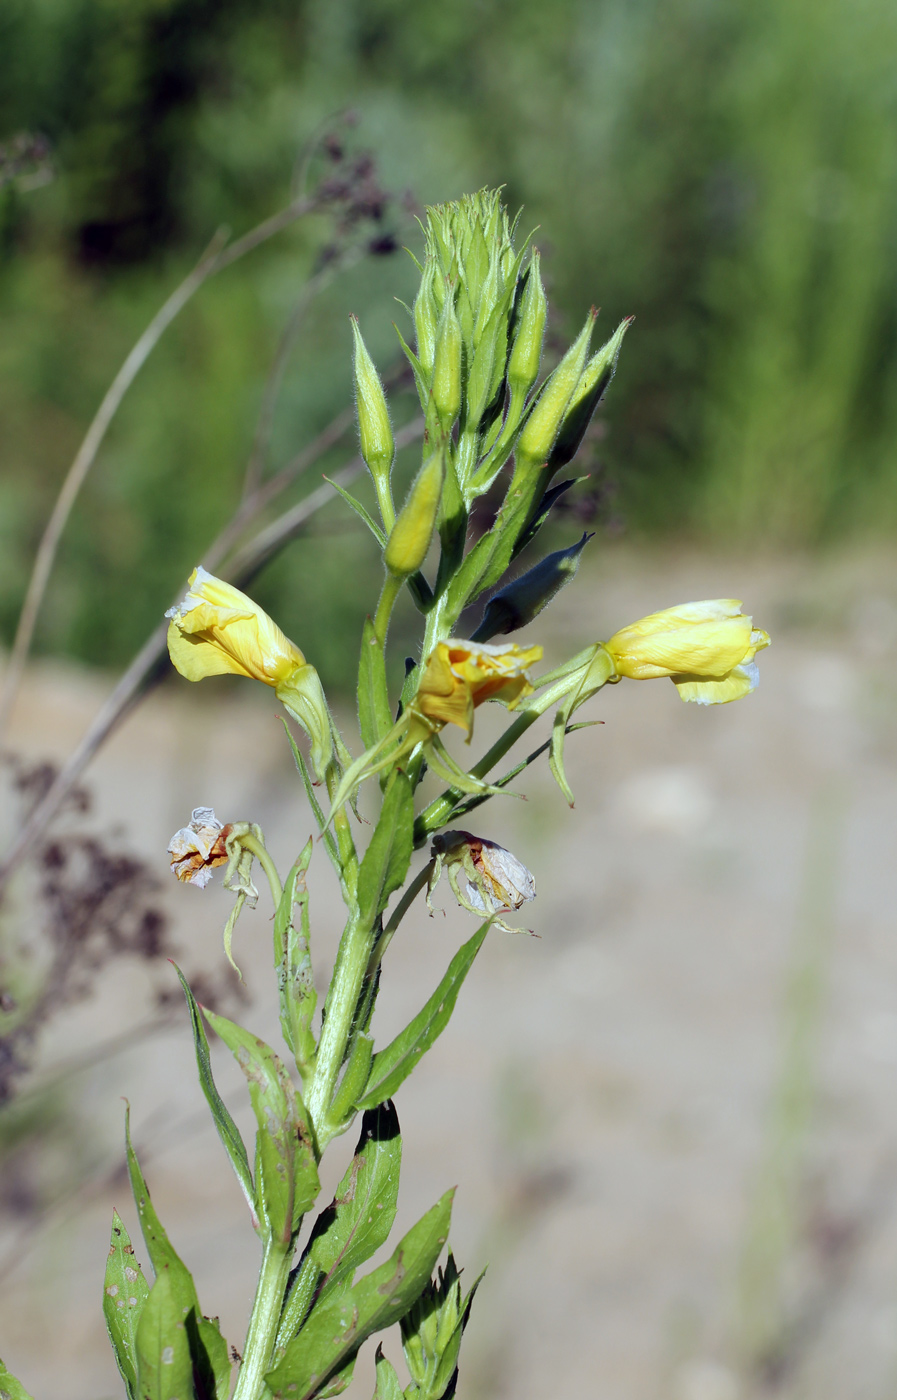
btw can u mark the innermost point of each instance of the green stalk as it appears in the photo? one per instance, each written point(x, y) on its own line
point(392, 587)
point(398, 915)
point(251, 843)
point(258, 1351)
point(342, 999)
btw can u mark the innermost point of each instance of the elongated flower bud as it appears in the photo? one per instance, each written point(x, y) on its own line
point(409, 540)
point(586, 397)
point(426, 318)
point(541, 428)
point(521, 601)
point(526, 352)
point(374, 429)
point(447, 368)
point(706, 648)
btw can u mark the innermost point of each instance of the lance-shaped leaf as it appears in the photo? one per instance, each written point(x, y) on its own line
point(211, 1363)
point(164, 1363)
point(10, 1388)
point(124, 1293)
point(359, 511)
point(341, 1323)
point(374, 715)
point(388, 855)
point(393, 1064)
point(388, 1385)
point(327, 837)
point(228, 1131)
point(355, 1224)
point(296, 983)
point(286, 1174)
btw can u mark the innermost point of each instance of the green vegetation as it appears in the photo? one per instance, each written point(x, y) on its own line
point(727, 173)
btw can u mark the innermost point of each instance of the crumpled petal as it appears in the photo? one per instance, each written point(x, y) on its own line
point(196, 849)
point(459, 676)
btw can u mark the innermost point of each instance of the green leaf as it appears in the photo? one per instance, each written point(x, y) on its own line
point(328, 838)
point(10, 1388)
point(164, 1364)
point(286, 1174)
point(360, 511)
point(374, 714)
point(388, 1386)
point(355, 1224)
point(228, 1131)
point(338, 1326)
point(388, 856)
point(124, 1293)
point(211, 1363)
point(394, 1064)
point(296, 983)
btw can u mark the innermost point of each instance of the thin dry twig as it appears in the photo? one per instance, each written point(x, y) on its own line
point(214, 260)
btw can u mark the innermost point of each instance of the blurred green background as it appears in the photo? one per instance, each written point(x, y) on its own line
point(726, 172)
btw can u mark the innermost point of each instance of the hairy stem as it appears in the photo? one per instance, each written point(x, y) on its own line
point(258, 1351)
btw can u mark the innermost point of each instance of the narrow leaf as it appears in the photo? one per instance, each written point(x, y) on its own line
point(10, 1388)
point(164, 1364)
point(211, 1363)
point(338, 1326)
point(302, 766)
point(388, 855)
point(388, 1386)
point(296, 983)
point(355, 1224)
point(359, 511)
point(374, 715)
point(394, 1064)
point(124, 1293)
point(228, 1131)
point(286, 1175)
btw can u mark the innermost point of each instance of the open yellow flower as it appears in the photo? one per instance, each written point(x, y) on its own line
point(217, 630)
point(460, 675)
point(707, 649)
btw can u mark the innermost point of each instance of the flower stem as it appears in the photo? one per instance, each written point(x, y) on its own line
point(392, 587)
point(258, 1351)
point(397, 916)
point(251, 843)
point(342, 999)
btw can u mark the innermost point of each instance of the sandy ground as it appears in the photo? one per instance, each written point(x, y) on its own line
point(671, 1117)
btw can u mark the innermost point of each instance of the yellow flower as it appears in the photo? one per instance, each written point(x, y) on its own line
point(707, 649)
point(459, 675)
point(217, 629)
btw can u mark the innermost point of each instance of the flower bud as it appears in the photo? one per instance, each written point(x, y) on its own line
point(521, 601)
point(426, 317)
point(409, 540)
point(446, 391)
point(431, 1333)
point(374, 429)
point(526, 352)
point(541, 427)
point(586, 397)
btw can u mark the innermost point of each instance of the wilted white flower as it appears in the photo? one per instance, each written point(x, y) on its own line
point(196, 849)
point(486, 878)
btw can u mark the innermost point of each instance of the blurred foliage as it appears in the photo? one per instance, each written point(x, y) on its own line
point(727, 173)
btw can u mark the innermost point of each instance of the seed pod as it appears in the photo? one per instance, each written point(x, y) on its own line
point(374, 429)
point(409, 540)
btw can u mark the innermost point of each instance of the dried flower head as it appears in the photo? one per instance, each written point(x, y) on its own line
point(196, 849)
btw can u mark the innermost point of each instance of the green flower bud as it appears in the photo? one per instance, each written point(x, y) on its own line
point(446, 392)
point(518, 603)
point(526, 352)
point(541, 427)
point(586, 397)
point(374, 430)
point(426, 317)
point(409, 540)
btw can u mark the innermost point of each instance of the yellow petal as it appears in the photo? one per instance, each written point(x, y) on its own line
point(740, 681)
point(218, 630)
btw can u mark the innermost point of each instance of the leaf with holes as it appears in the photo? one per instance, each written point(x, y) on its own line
point(124, 1293)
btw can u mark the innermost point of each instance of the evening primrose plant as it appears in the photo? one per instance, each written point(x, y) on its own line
point(477, 326)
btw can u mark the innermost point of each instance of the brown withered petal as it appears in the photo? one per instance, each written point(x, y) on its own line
point(196, 849)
